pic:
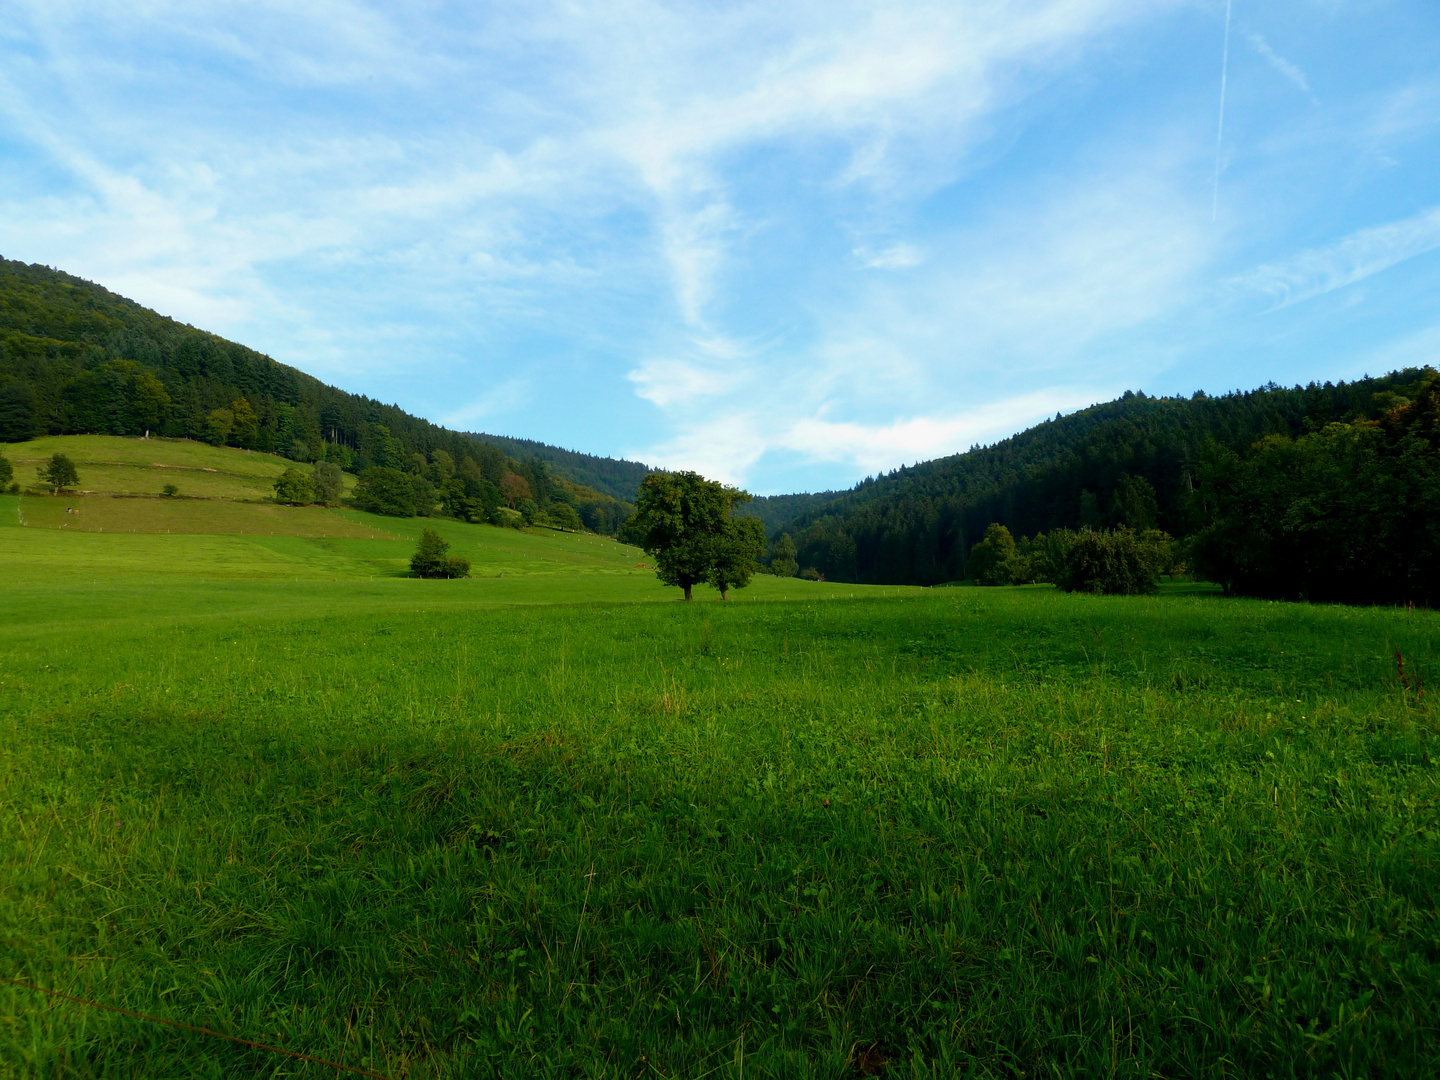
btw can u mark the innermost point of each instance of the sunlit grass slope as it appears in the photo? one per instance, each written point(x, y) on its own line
point(112, 465)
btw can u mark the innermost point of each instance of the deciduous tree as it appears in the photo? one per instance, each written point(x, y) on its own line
point(678, 519)
point(993, 561)
point(740, 543)
point(783, 562)
point(329, 483)
point(385, 491)
point(294, 487)
point(59, 473)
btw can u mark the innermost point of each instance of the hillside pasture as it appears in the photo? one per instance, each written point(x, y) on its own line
point(120, 466)
point(217, 517)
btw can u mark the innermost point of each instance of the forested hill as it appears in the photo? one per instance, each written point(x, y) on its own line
point(1127, 462)
point(778, 511)
point(76, 358)
point(612, 476)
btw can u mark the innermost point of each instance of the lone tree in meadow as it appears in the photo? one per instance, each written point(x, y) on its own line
point(294, 487)
point(681, 519)
point(59, 473)
point(430, 560)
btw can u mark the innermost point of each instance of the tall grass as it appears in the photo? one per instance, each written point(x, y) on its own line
point(979, 832)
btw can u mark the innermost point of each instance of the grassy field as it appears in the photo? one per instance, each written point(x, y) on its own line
point(546, 822)
point(144, 466)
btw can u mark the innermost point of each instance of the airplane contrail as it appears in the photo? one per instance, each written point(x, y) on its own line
point(1220, 131)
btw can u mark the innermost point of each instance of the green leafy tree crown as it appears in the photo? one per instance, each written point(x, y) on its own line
point(294, 487)
point(59, 472)
point(681, 519)
point(385, 491)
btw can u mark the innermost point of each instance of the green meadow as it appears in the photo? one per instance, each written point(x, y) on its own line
point(548, 821)
point(144, 466)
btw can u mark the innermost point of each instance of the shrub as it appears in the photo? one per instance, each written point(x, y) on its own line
point(6, 472)
point(1113, 562)
point(383, 490)
point(169, 491)
point(430, 561)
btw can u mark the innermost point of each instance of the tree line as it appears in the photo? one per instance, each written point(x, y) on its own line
point(1186, 467)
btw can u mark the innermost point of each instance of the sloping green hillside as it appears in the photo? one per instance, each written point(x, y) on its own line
point(116, 466)
point(76, 358)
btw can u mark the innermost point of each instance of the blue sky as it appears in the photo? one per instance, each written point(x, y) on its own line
point(788, 245)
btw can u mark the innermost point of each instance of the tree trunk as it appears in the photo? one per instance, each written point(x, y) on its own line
point(686, 587)
point(724, 592)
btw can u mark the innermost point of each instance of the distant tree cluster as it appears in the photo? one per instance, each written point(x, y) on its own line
point(1349, 511)
point(77, 359)
point(685, 522)
point(1115, 561)
point(324, 485)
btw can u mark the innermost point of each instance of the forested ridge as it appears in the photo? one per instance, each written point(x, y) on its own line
point(1135, 462)
point(76, 358)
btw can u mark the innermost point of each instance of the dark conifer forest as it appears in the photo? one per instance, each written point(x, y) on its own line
point(1323, 491)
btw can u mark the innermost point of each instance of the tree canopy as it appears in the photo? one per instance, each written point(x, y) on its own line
point(59, 473)
point(1347, 512)
point(294, 487)
point(383, 490)
point(737, 548)
point(1130, 463)
point(683, 520)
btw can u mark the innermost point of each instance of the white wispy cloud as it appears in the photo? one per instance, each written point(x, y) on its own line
point(894, 257)
point(669, 383)
point(715, 235)
point(496, 401)
point(1360, 255)
point(1279, 63)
